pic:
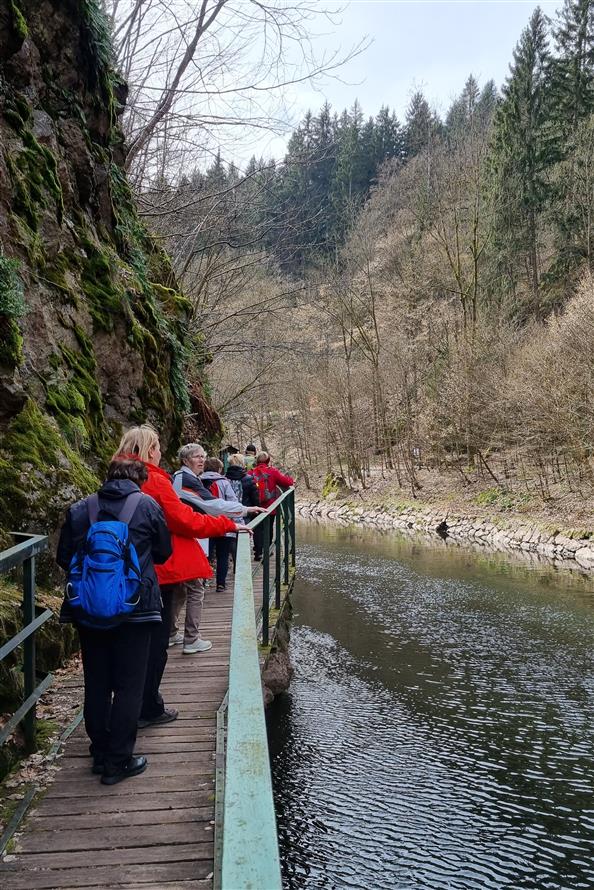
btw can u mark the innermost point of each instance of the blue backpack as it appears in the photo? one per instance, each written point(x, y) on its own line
point(104, 575)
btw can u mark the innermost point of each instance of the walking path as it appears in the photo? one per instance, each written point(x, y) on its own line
point(152, 832)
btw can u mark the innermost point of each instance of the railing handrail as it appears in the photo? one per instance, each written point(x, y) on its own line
point(24, 554)
point(260, 517)
point(250, 855)
point(250, 842)
point(17, 554)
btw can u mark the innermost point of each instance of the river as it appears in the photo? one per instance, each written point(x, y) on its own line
point(438, 732)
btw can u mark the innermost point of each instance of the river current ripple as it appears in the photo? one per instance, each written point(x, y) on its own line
point(438, 732)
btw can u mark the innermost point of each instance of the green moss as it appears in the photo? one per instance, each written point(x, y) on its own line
point(30, 240)
point(12, 307)
point(34, 175)
point(172, 299)
point(12, 290)
point(36, 462)
point(11, 343)
point(74, 398)
point(19, 24)
point(17, 112)
point(501, 498)
point(104, 294)
point(330, 485)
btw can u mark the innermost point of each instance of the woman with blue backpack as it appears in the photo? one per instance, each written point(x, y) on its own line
point(109, 545)
point(186, 562)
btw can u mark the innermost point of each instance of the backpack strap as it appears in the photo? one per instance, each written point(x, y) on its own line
point(129, 509)
point(126, 514)
point(93, 508)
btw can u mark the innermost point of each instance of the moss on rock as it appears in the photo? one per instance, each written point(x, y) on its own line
point(12, 307)
point(40, 473)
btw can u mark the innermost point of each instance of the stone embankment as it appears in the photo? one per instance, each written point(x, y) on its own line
point(510, 535)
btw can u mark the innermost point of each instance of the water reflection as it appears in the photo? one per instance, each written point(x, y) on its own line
point(438, 730)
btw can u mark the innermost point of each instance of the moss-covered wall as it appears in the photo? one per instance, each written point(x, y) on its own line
point(92, 324)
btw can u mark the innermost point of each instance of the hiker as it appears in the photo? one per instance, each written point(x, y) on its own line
point(243, 484)
point(186, 562)
point(267, 479)
point(250, 456)
point(219, 485)
point(115, 649)
point(192, 491)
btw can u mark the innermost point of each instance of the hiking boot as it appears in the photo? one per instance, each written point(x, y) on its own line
point(98, 764)
point(168, 716)
point(198, 646)
point(221, 588)
point(176, 640)
point(133, 767)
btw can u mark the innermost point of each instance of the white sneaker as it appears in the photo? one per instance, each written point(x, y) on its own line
point(198, 646)
point(177, 640)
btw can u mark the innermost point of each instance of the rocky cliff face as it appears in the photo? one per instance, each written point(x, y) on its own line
point(92, 325)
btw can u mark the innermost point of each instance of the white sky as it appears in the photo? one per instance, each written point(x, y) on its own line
point(429, 44)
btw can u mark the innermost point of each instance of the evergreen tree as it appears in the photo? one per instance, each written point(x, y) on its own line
point(389, 140)
point(463, 109)
point(487, 103)
point(421, 125)
point(572, 73)
point(521, 159)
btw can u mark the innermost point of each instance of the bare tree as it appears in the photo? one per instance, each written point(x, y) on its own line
point(212, 73)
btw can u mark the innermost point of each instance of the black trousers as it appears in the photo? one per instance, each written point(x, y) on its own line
point(223, 547)
point(152, 700)
point(259, 534)
point(114, 665)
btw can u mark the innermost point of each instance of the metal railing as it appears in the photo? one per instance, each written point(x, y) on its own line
point(250, 856)
point(280, 516)
point(24, 553)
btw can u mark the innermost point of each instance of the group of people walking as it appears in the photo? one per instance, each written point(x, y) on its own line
point(135, 553)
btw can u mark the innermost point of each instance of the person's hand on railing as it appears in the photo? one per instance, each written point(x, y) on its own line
point(256, 509)
point(243, 529)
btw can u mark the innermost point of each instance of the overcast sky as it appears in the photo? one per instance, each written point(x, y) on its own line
point(429, 44)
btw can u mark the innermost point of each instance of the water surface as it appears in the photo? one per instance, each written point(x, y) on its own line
point(438, 732)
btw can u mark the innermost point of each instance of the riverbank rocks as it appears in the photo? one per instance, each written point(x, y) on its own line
point(516, 536)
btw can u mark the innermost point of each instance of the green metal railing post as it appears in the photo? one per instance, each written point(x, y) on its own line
point(293, 530)
point(265, 578)
point(277, 558)
point(23, 554)
point(29, 671)
point(287, 519)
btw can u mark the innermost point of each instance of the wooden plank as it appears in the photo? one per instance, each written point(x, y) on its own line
point(105, 876)
point(104, 837)
point(181, 752)
point(61, 860)
point(152, 802)
point(206, 884)
point(41, 821)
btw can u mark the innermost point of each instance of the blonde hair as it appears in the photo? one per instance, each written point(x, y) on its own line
point(237, 460)
point(139, 440)
point(262, 457)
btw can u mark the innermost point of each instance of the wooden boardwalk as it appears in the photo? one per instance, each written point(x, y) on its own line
point(152, 832)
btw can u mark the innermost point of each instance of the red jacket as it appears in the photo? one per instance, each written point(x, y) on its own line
point(267, 479)
point(187, 560)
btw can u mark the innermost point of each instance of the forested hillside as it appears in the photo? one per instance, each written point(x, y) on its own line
point(411, 293)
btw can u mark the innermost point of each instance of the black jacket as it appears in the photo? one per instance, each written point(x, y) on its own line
point(250, 497)
point(147, 531)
